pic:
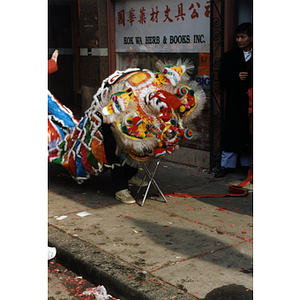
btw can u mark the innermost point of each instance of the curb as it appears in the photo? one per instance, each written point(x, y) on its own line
point(118, 277)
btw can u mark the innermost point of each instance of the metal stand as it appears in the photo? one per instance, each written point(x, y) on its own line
point(151, 179)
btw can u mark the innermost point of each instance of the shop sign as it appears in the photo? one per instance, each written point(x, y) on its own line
point(203, 78)
point(162, 26)
point(203, 81)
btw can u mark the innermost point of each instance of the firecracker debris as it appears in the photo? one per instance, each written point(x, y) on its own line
point(186, 248)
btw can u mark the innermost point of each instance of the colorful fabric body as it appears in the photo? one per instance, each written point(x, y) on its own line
point(61, 122)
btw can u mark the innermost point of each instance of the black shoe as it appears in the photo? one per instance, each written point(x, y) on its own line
point(221, 173)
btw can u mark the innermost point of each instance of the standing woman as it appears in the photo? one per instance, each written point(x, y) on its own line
point(236, 77)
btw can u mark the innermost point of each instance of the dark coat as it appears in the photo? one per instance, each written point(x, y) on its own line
point(236, 135)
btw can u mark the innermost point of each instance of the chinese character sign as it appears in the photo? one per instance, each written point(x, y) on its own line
point(162, 26)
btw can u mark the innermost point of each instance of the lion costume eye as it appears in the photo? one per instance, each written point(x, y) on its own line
point(154, 105)
point(170, 134)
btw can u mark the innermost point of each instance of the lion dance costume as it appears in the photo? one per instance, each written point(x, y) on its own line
point(149, 112)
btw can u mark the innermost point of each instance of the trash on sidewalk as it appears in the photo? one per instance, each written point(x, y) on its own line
point(83, 214)
point(99, 292)
point(51, 252)
point(61, 218)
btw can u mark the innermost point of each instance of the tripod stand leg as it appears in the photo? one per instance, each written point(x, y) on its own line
point(151, 177)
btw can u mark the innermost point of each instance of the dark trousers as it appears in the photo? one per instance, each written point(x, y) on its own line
point(119, 175)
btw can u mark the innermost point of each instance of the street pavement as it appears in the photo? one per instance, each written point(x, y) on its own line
point(187, 248)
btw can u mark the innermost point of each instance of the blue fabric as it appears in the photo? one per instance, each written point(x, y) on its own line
point(229, 159)
point(80, 171)
point(56, 111)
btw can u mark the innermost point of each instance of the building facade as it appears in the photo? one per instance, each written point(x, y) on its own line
point(96, 37)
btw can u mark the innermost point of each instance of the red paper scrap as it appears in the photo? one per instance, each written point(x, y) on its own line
point(222, 208)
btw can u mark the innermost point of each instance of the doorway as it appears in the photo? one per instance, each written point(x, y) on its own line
point(62, 23)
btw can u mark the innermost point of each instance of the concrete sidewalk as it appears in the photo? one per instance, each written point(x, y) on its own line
point(188, 248)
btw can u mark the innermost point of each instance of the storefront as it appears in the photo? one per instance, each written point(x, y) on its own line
point(120, 34)
point(149, 30)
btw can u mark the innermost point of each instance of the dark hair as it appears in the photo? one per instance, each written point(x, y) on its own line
point(245, 28)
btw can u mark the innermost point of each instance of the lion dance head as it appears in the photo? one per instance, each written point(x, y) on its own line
point(150, 111)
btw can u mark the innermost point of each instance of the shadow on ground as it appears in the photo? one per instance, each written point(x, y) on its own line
point(230, 292)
